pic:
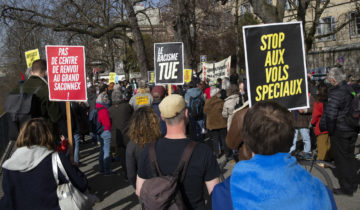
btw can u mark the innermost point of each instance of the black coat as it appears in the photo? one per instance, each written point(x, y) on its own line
point(337, 107)
point(36, 189)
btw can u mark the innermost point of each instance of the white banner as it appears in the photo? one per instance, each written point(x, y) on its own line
point(220, 69)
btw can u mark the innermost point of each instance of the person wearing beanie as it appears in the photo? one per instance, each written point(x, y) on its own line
point(158, 93)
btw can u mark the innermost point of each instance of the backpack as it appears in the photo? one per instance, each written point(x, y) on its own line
point(196, 107)
point(18, 106)
point(94, 124)
point(163, 192)
point(352, 118)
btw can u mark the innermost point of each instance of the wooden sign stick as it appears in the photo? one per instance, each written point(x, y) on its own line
point(169, 89)
point(69, 129)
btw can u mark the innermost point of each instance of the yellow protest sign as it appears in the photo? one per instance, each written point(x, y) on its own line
point(112, 76)
point(31, 56)
point(151, 77)
point(142, 100)
point(187, 75)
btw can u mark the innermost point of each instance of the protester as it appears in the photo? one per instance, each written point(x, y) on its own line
point(302, 118)
point(271, 179)
point(323, 139)
point(28, 179)
point(105, 136)
point(242, 91)
point(142, 96)
point(342, 135)
point(79, 126)
point(40, 105)
point(216, 123)
point(158, 93)
point(120, 113)
point(234, 138)
point(144, 128)
point(232, 102)
point(195, 102)
point(202, 168)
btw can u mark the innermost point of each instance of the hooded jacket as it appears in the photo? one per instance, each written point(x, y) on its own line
point(229, 107)
point(29, 182)
point(193, 92)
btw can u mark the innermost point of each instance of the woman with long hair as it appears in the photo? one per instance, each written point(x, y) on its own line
point(29, 181)
point(144, 128)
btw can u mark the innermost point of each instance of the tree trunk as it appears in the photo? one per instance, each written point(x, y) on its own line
point(237, 37)
point(182, 28)
point(139, 41)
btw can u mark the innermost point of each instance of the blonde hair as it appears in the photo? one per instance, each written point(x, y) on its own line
point(144, 126)
point(36, 132)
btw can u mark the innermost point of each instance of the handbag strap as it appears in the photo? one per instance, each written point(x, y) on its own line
point(54, 167)
point(56, 162)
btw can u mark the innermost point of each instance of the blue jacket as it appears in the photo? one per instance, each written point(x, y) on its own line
point(162, 123)
point(271, 182)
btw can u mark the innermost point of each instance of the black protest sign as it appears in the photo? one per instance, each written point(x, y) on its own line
point(169, 63)
point(275, 64)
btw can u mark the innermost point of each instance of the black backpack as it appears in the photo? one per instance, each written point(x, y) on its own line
point(18, 107)
point(94, 124)
point(352, 118)
point(196, 107)
point(163, 192)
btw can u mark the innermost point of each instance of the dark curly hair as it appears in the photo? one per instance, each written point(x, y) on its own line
point(144, 126)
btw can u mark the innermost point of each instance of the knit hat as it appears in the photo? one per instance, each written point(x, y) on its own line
point(214, 91)
point(158, 92)
point(102, 98)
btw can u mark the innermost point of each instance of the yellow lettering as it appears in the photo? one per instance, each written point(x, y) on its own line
point(268, 74)
point(292, 87)
point(265, 91)
point(285, 68)
point(274, 57)
point(298, 82)
point(274, 75)
point(268, 59)
point(271, 90)
point(281, 38)
point(258, 91)
point(286, 88)
point(276, 94)
point(263, 47)
point(281, 56)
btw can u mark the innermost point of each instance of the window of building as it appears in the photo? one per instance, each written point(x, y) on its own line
point(288, 4)
point(245, 8)
point(354, 24)
point(326, 26)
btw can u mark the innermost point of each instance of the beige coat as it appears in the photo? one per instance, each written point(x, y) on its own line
point(229, 106)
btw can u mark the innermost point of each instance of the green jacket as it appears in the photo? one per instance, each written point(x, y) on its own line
point(41, 106)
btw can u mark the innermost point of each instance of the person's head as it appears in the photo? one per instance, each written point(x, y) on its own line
point(173, 110)
point(39, 68)
point(36, 132)
point(233, 89)
point(144, 126)
point(214, 92)
point(142, 84)
point(103, 88)
point(268, 128)
point(336, 75)
point(158, 92)
point(116, 97)
point(241, 87)
point(102, 98)
point(111, 86)
point(322, 92)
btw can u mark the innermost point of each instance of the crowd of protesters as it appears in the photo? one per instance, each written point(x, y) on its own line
point(133, 122)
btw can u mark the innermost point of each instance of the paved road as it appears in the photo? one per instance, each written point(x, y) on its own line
point(115, 193)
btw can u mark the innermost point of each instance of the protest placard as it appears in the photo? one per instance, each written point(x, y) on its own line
point(275, 64)
point(151, 77)
point(66, 73)
point(187, 75)
point(31, 56)
point(220, 69)
point(169, 63)
point(112, 77)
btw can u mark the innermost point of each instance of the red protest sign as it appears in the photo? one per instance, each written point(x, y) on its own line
point(66, 73)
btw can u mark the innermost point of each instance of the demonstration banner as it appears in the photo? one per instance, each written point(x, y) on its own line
point(66, 73)
point(31, 56)
point(220, 69)
point(169, 63)
point(187, 75)
point(151, 77)
point(275, 64)
point(112, 77)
